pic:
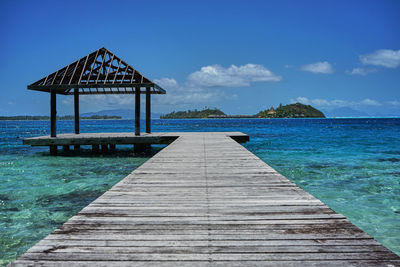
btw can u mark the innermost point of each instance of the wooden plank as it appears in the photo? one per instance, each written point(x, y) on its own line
point(101, 66)
point(117, 71)
point(241, 263)
point(204, 200)
point(207, 249)
point(57, 243)
point(109, 67)
point(82, 71)
point(91, 69)
point(213, 256)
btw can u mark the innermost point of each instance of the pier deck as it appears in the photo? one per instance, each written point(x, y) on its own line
point(127, 138)
point(205, 200)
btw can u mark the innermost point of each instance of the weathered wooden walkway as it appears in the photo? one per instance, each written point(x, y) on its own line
point(205, 200)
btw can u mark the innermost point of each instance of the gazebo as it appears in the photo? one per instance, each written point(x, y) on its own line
point(100, 72)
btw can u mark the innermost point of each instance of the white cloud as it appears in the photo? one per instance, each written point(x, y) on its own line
point(360, 71)
point(199, 88)
point(186, 94)
point(301, 99)
point(91, 103)
point(394, 103)
point(384, 57)
point(319, 102)
point(318, 67)
point(339, 103)
point(109, 100)
point(370, 102)
point(67, 101)
point(167, 83)
point(336, 103)
point(233, 76)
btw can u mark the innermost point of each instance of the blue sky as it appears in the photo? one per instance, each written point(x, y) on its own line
point(240, 56)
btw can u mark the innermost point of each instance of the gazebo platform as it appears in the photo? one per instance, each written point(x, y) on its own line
point(108, 141)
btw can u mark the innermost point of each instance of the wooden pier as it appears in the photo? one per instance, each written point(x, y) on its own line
point(205, 200)
point(109, 140)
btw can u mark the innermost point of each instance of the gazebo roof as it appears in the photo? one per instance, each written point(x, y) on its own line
point(100, 72)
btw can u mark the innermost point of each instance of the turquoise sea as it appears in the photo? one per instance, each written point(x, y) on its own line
point(353, 165)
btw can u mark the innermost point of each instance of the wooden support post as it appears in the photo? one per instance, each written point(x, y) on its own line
point(76, 109)
point(146, 147)
point(66, 147)
point(148, 110)
point(77, 147)
point(104, 148)
point(139, 148)
point(137, 111)
point(53, 150)
point(112, 147)
point(53, 113)
point(95, 149)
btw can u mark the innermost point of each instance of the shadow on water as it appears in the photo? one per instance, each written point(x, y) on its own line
point(389, 159)
point(117, 153)
point(62, 202)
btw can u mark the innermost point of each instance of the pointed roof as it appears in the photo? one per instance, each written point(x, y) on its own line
point(271, 111)
point(100, 72)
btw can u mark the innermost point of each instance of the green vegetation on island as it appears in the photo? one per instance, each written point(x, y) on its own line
point(67, 117)
point(296, 110)
point(193, 114)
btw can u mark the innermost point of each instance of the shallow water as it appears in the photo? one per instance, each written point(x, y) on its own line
point(353, 165)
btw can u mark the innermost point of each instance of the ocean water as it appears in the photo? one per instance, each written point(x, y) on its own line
point(353, 165)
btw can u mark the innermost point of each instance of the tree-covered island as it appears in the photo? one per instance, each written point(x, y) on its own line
point(193, 114)
point(296, 110)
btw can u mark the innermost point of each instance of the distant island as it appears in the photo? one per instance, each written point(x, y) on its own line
point(193, 114)
point(296, 110)
point(67, 117)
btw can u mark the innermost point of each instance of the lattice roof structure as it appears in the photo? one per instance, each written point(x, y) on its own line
point(100, 72)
